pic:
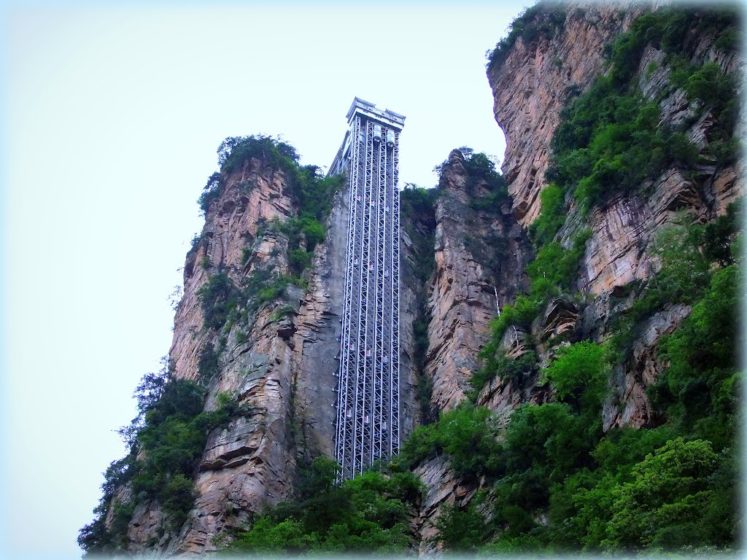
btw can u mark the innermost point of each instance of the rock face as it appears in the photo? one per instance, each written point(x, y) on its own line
point(278, 361)
point(249, 464)
point(530, 89)
point(480, 256)
point(629, 405)
point(532, 86)
point(443, 487)
point(279, 364)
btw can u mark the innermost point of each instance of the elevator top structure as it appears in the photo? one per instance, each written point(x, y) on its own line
point(369, 110)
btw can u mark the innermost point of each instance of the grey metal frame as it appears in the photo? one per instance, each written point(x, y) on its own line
point(367, 421)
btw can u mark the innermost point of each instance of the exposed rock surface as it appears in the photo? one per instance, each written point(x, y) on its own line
point(249, 463)
point(630, 405)
point(532, 86)
point(530, 89)
point(443, 487)
point(279, 366)
point(480, 257)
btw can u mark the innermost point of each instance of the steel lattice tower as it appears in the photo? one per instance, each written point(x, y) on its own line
point(367, 425)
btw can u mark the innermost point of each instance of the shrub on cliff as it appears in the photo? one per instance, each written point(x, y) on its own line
point(579, 375)
point(543, 20)
point(463, 434)
point(218, 296)
point(610, 139)
point(234, 150)
point(369, 513)
point(699, 391)
point(610, 142)
point(551, 273)
point(166, 440)
point(462, 529)
point(513, 370)
point(670, 495)
point(552, 215)
point(210, 193)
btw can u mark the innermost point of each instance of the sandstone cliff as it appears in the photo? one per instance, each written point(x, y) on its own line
point(531, 86)
point(465, 253)
point(532, 82)
point(277, 359)
point(248, 464)
point(480, 256)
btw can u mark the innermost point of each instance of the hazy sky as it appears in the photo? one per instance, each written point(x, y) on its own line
point(112, 118)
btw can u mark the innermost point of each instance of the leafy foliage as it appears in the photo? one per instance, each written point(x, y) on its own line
point(210, 193)
point(166, 440)
point(664, 502)
point(171, 441)
point(218, 296)
point(515, 370)
point(551, 273)
point(579, 375)
point(312, 192)
point(669, 487)
point(686, 252)
point(366, 514)
point(463, 434)
point(235, 150)
point(419, 221)
point(264, 286)
point(700, 390)
point(481, 172)
point(96, 537)
point(208, 365)
point(462, 529)
point(674, 30)
point(552, 215)
point(610, 140)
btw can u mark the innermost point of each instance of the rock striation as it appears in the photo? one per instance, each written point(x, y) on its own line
point(278, 361)
point(280, 364)
point(530, 89)
point(533, 84)
point(480, 257)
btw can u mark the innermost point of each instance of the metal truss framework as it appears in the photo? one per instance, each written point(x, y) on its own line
point(367, 424)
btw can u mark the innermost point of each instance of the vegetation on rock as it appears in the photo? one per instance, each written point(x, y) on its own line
point(168, 436)
point(543, 20)
point(610, 139)
point(369, 513)
point(418, 204)
point(550, 478)
point(554, 481)
point(166, 441)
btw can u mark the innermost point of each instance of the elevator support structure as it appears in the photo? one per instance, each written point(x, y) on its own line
point(368, 401)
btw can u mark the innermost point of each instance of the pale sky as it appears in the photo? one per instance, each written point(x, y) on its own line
point(112, 118)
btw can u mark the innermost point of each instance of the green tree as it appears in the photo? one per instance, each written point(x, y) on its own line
point(579, 375)
point(662, 504)
point(462, 530)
